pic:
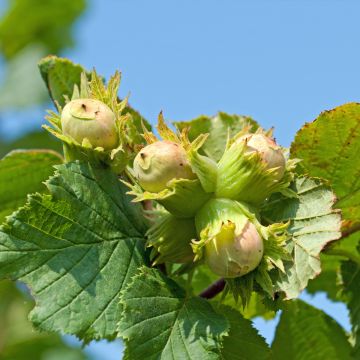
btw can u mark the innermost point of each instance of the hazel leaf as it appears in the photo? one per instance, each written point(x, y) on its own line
point(160, 321)
point(327, 338)
point(312, 225)
point(329, 148)
point(219, 127)
point(76, 255)
point(22, 172)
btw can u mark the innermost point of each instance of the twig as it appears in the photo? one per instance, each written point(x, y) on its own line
point(214, 289)
point(350, 231)
point(342, 252)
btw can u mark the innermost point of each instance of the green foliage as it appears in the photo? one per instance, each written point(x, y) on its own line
point(220, 128)
point(306, 333)
point(328, 279)
point(160, 321)
point(82, 255)
point(351, 279)
point(313, 224)
point(329, 148)
point(22, 172)
point(18, 340)
point(60, 76)
point(243, 341)
point(43, 22)
point(33, 140)
point(79, 242)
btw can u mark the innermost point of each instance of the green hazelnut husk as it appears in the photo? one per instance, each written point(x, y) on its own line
point(171, 239)
point(230, 241)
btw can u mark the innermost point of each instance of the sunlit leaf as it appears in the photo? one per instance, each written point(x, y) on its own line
point(75, 254)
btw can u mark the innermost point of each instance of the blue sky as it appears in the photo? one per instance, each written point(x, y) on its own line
point(281, 62)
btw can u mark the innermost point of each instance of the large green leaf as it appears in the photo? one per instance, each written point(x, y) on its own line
point(219, 128)
point(76, 249)
point(329, 148)
point(243, 342)
point(160, 322)
point(350, 273)
point(313, 224)
point(22, 172)
point(47, 23)
point(307, 333)
point(18, 340)
point(34, 140)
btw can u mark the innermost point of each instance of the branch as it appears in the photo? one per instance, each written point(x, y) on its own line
point(350, 231)
point(344, 253)
point(214, 289)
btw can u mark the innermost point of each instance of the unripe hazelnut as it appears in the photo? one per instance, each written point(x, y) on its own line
point(270, 153)
point(90, 119)
point(158, 163)
point(232, 244)
point(234, 253)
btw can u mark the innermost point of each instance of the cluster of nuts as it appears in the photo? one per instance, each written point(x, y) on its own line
point(217, 223)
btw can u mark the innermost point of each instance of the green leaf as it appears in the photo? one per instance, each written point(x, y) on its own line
point(22, 172)
point(160, 321)
point(34, 140)
point(350, 273)
point(75, 253)
point(243, 341)
point(60, 76)
point(330, 265)
point(329, 148)
point(18, 340)
point(307, 333)
point(313, 224)
point(219, 128)
point(46, 23)
point(327, 280)
point(49, 347)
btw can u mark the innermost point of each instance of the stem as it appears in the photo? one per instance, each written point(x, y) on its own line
point(350, 231)
point(162, 268)
point(214, 289)
point(345, 253)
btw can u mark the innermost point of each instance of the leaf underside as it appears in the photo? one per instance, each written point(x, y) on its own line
point(329, 148)
point(313, 224)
